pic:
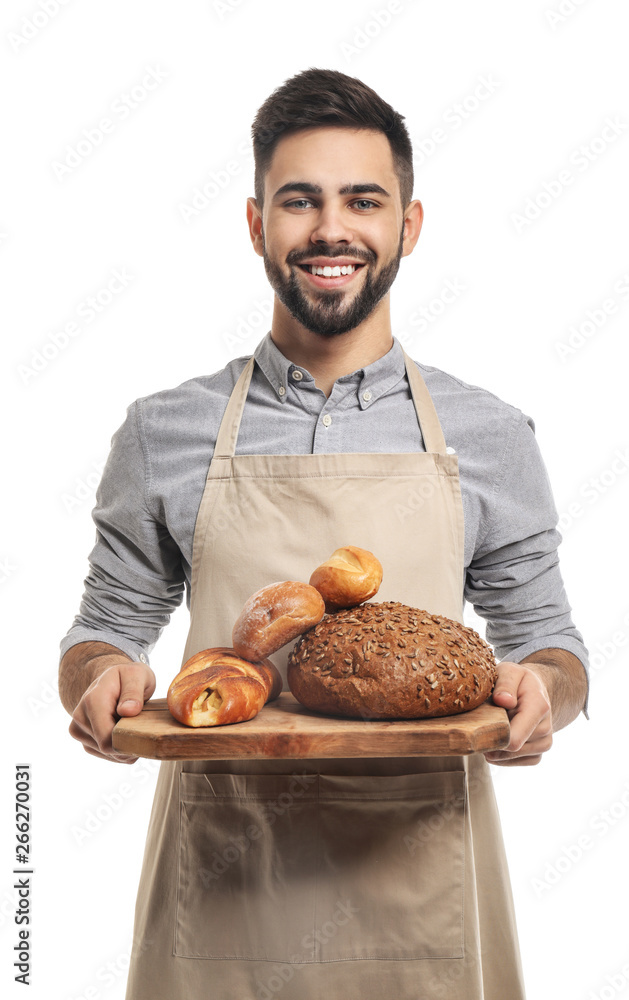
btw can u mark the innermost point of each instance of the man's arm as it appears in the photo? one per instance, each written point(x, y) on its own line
point(97, 685)
point(514, 582)
point(542, 694)
point(135, 581)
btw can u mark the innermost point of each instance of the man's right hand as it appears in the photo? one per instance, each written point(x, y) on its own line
point(119, 689)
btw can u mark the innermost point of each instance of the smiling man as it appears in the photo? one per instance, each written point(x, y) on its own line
point(339, 878)
point(354, 274)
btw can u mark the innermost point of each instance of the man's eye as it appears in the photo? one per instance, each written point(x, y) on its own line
point(299, 203)
point(364, 203)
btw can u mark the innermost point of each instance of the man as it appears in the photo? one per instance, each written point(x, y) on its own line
point(330, 878)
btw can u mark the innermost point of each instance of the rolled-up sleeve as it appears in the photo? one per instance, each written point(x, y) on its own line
point(514, 580)
point(135, 579)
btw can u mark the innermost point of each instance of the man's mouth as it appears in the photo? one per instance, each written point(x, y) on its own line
point(329, 271)
point(330, 275)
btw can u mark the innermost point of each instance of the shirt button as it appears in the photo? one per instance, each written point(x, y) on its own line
point(281, 390)
point(297, 375)
point(327, 420)
point(142, 658)
point(367, 396)
point(450, 451)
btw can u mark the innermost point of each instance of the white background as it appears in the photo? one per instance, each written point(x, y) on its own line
point(197, 298)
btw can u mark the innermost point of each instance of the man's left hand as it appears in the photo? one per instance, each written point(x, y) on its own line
point(522, 692)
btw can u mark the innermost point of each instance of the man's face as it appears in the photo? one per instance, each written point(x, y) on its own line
point(332, 200)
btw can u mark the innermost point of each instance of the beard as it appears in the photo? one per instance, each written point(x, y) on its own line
point(325, 312)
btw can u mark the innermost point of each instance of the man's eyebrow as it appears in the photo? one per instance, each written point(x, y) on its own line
point(306, 188)
point(364, 189)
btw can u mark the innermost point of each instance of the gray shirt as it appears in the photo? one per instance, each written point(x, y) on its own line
point(151, 488)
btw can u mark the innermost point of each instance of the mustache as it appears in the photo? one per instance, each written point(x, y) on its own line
point(302, 256)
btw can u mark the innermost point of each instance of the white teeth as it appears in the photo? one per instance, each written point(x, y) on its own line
point(332, 272)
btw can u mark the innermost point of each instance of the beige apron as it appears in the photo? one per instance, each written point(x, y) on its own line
point(352, 879)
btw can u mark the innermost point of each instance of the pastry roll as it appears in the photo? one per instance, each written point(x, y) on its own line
point(217, 687)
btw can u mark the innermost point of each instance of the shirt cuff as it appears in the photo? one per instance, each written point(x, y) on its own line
point(555, 642)
point(137, 652)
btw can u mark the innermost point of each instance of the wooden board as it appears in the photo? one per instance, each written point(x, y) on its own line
point(285, 729)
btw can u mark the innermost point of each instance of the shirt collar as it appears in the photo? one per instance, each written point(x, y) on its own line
point(372, 381)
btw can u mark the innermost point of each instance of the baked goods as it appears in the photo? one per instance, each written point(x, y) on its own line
point(274, 616)
point(216, 687)
point(390, 661)
point(349, 577)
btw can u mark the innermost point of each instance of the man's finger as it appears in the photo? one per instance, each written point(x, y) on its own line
point(531, 753)
point(537, 745)
point(90, 745)
point(505, 696)
point(116, 758)
point(531, 720)
point(101, 717)
point(136, 688)
point(526, 761)
point(84, 735)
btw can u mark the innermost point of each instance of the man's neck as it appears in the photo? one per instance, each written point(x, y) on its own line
point(329, 358)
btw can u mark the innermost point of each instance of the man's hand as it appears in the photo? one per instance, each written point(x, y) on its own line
point(542, 694)
point(120, 690)
point(521, 691)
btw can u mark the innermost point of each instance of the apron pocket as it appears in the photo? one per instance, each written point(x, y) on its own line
point(321, 868)
point(393, 852)
point(247, 865)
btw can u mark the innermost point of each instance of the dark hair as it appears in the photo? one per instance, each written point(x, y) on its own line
point(318, 98)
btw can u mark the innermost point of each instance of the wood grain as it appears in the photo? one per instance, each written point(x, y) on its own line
point(285, 729)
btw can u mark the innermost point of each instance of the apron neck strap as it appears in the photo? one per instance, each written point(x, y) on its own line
point(434, 441)
point(230, 424)
point(432, 434)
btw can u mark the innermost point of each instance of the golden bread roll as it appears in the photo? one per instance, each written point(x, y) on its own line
point(390, 661)
point(275, 615)
point(216, 687)
point(349, 577)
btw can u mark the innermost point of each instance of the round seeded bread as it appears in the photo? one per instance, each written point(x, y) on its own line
point(389, 661)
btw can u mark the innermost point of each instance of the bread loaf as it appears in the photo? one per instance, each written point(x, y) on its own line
point(390, 661)
point(349, 577)
point(274, 616)
point(216, 687)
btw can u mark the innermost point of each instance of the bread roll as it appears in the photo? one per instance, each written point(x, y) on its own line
point(274, 616)
point(390, 661)
point(216, 687)
point(349, 577)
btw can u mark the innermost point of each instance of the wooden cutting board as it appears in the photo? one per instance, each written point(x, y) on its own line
point(285, 729)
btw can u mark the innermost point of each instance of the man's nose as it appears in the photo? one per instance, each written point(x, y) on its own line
point(332, 226)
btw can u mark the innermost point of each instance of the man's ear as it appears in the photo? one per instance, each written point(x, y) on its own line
point(254, 220)
point(413, 219)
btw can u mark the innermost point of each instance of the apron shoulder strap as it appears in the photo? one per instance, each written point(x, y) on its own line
point(230, 424)
point(432, 434)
